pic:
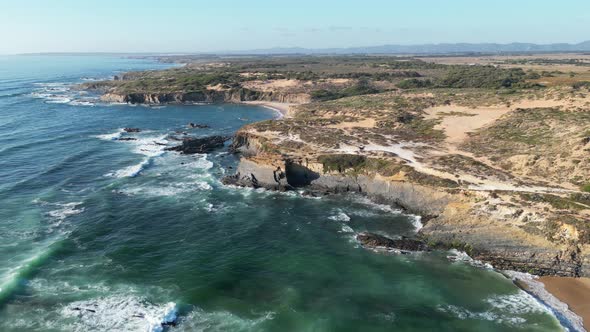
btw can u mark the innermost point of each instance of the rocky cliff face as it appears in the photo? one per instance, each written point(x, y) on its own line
point(207, 96)
point(454, 218)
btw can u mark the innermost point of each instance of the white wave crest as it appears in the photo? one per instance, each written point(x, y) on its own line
point(347, 229)
point(150, 147)
point(417, 222)
point(460, 256)
point(120, 313)
point(381, 207)
point(340, 216)
point(111, 137)
point(131, 171)
point(169, 190)
point(558, 308)
point(66, 210)
point(200, 320)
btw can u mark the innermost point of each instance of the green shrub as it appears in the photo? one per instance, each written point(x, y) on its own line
point(414, 83)
point(341, 162)
point(582, 84)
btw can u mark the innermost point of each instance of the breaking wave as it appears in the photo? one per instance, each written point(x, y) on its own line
point(120, 313)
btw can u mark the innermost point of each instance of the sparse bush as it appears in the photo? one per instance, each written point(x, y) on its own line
point(414, 83)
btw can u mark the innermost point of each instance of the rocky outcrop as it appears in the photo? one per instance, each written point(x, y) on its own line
point(197, 126)
point(452, 216)
point(235, 95)
point(193, 145)
point(403, 245)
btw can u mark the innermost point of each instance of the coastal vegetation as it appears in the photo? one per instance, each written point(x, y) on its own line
point(498, 145)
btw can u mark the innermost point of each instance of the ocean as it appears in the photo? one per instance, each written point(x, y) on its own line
point(103, 234)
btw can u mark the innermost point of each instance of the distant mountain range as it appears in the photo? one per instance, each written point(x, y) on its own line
point(423, 49)
point(429, 49)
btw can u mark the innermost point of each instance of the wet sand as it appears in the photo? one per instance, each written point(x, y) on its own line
point(281, 108)
point(575, 292)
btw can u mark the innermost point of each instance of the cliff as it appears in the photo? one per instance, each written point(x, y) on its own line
point(206, 96)
point(477, 222)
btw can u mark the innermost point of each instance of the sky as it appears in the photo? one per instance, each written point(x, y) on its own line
point(28, 26)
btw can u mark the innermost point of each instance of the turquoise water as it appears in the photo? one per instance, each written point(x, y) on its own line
point(98, 234)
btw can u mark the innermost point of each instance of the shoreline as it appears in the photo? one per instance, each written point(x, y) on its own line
point(561, 295)
point(282, 109)
point(574, 292)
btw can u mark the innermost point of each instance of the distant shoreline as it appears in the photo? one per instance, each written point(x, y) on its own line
point(282, 109)
point(575, 292)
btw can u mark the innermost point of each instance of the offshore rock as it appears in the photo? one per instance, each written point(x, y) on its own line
point(193, 145)
point(404, 245)
point(197, 126)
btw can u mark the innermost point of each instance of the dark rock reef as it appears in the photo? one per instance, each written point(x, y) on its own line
point(403, 245)
point(192, 145)
point(197, 126)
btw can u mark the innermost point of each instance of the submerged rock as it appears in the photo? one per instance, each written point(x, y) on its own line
point(196, 125)
point(127, 139)
point(131, 130)
point(239, 180)
point(194, 145)
point(404, 245)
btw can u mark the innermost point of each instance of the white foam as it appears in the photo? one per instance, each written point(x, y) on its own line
point(111, 137)
point(119, 313)
point(383, 207)
point(65, 210)
point(58, 99)
point(169, 190)
point(340, 216)
point(558, 308)
point(82, 103)
point(199, 321)
point(347, 229)
point(131, 171)
point(463, 314)
point(148, 146)
point(462, 257)
point(507, 308)
point(417, 222)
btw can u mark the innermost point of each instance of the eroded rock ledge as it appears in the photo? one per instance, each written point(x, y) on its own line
point(207, 96)
point(454, 217)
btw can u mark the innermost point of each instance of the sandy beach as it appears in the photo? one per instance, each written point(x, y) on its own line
point(575, 292)
point(281, 108)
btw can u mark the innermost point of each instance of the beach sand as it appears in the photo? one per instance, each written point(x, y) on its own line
point(575, 292)
point(281, 108)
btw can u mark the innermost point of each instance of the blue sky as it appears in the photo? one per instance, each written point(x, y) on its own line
point(203, 26)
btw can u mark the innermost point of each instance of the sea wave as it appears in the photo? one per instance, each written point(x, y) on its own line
point(462, 257)
point(63, 93)
point(537, 290)
point(12, 278)
point(340, 216)
point(120, 313)
point(111, 137)
point(150, 147)
point(414, 219)
point(200, 320)
point(65, 210)
point(131, 171)
point(511, 309)
point(168, 190)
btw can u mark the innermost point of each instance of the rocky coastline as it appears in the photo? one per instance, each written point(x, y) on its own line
point(450, 216)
